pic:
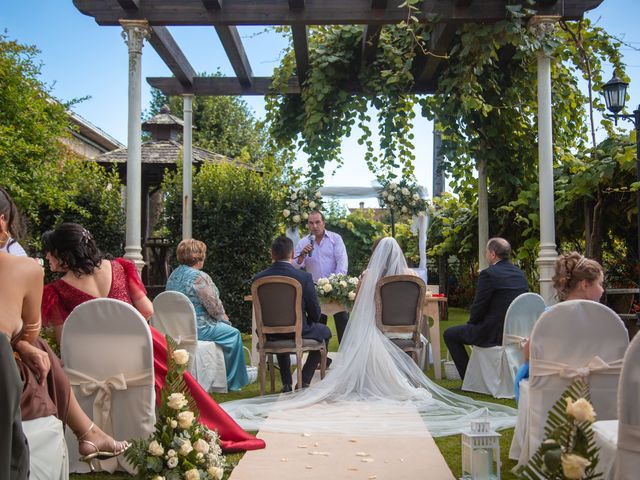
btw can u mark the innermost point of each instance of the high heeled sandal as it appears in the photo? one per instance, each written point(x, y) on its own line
point(98, 454)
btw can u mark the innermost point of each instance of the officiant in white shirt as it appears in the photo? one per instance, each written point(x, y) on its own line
point(322, 253)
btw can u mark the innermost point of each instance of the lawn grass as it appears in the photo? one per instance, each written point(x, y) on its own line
point(450, 446)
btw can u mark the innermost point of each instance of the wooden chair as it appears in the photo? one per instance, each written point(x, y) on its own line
point(399, 304)
point(277, 304)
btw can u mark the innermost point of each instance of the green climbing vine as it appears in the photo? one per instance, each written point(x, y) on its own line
point(484, 105)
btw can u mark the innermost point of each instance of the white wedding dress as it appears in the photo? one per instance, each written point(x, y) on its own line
point(373, 387)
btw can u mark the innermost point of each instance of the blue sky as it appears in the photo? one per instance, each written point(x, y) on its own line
point(81, 58)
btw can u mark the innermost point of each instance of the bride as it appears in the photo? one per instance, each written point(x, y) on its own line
point(373, 387)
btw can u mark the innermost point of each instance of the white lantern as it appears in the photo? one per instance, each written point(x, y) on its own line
point(480, 452)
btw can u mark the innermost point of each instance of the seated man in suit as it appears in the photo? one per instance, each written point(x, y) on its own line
point(282, 256)
point(498, 285)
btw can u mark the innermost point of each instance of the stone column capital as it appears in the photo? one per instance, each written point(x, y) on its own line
point(542, 25)
point(134, 32)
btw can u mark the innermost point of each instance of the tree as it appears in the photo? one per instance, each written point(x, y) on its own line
point(47, 181)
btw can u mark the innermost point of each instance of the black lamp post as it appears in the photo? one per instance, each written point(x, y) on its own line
point(615, 95)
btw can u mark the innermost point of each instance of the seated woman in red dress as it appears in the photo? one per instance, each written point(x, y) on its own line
point(70, 249)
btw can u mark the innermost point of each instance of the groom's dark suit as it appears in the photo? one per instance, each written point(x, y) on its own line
point(497, 287)
point(310, 317)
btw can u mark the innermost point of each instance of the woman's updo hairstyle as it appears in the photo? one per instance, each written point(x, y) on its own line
point(74, 247)
point(571, 269)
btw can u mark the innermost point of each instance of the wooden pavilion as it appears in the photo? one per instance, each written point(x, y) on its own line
point(149, 19)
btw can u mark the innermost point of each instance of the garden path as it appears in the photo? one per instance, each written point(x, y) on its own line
point(291, 456)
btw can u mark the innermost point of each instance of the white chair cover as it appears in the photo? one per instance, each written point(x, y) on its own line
point(107, 353)
point(173, 315)
point(620, 440)
point(48, 456)
point(577, 338)
point(492, 370)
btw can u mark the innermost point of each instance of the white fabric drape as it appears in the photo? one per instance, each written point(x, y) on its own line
point(619, 440)
point(294, 234)
point(174, 315)
point(106, 346)
point(574, 338)
point(492, 370)
point(370, 372)
point(48, 456)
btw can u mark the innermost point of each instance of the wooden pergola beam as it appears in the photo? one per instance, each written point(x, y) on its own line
point(166, 47)
point(301, 48)
point(170, 53)
point(212, 4)
point(371, 34)
point(300, 42)
point(315, 12)
point(427, 66)
point(232, 44)
point(220, 86)
point(129, 4)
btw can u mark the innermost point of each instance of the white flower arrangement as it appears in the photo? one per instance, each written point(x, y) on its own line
point(299, 202)
point(403, 198)
point(180, 447)
point(338, 288)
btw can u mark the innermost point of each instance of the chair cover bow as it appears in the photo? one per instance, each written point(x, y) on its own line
point(184, 340)
point(629, 437)
point(541, 368)
point(103, 390)
point(510, 339)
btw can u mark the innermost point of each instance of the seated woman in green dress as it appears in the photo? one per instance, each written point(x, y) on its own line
point(212, 323)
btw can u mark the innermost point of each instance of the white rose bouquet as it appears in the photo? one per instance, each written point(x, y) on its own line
point(569, 451)
point(338, 288)
point(403, 198)
point(180, 448)
point(298, 203)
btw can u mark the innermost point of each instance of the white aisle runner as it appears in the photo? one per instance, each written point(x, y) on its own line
point(333, 456)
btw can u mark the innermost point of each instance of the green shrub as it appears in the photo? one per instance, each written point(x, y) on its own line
point(234, 213)
point(94, 201)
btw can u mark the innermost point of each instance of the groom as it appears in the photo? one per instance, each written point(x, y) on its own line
point(282, 256)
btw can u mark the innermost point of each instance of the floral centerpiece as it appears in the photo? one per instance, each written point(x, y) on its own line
point(180, 448)
point(569, 450)
point(403, 198)
point(338, 288)
point(299, 202)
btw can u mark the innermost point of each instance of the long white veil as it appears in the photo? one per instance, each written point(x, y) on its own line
point(369, 376)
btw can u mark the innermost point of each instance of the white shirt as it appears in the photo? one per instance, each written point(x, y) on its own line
point(329, 256)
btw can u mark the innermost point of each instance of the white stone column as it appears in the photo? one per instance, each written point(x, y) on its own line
point(187, 162)
point(134, 33)
point(548, 254)
point(483, 214)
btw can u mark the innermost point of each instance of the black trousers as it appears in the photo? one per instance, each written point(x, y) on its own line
point(341, 319)
point(14, 450)
point(284, 361)
point(456, 338)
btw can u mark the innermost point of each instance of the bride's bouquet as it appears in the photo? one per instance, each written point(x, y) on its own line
point(338, 288)
point(180, 448)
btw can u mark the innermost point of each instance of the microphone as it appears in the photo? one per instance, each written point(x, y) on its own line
point(311, 243)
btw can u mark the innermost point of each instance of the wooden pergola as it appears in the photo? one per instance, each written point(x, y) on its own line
point(149, 19)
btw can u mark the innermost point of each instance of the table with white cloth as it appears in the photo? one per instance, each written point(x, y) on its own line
point(431, 310)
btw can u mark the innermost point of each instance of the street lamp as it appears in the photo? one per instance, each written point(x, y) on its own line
point(615, 95)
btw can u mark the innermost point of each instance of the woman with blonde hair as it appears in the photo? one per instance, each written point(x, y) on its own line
point(576, 277)
point(212, 322)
